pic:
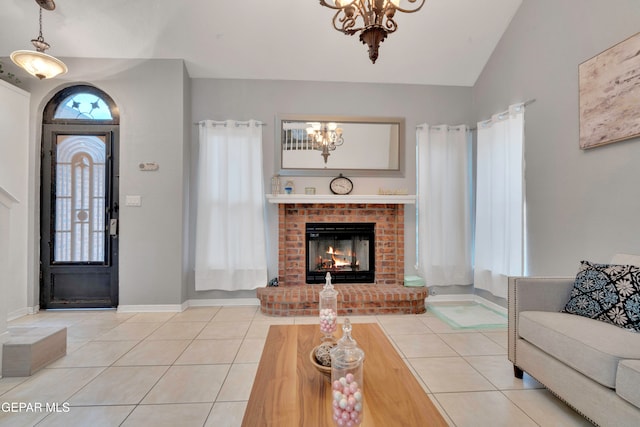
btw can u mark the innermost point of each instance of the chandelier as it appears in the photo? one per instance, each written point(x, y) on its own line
point(325, 137)
point(374, 19)
point(37, 63)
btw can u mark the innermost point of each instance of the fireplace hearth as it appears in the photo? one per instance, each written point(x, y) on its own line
point(346, 250)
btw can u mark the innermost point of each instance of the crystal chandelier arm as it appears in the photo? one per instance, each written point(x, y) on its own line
point(347, 24)
point(346, 17)
point(391, 25)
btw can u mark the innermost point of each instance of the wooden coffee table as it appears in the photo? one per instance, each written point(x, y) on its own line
point(289, 391)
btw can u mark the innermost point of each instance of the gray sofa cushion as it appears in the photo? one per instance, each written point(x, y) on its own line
point(627, 381)
point(589, 346)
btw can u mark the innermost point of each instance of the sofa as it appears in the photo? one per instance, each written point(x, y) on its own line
point(592, 365)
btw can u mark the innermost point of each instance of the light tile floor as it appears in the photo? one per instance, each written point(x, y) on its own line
point(196, 368)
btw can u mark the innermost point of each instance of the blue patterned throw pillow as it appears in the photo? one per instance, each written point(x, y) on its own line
point(607, 292)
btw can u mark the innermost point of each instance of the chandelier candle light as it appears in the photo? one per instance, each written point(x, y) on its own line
point(37, 63)
point(374, 19)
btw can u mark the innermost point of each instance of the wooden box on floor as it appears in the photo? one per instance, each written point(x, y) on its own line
point(30, 349)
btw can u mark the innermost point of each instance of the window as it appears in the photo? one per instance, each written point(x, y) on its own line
point(82, 105)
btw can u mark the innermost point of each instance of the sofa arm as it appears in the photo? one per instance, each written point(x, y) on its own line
point(534, 294)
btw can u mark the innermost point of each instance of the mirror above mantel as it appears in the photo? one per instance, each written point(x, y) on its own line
point(314, 145)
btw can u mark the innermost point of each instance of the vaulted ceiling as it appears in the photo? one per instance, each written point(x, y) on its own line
point(448, 42)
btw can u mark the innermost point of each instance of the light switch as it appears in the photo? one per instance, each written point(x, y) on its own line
point(133, 201)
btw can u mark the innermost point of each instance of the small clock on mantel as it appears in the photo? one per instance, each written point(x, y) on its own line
point(341, 185)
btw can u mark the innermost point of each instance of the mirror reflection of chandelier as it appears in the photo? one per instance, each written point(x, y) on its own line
point(373, 19)
point(325, 136)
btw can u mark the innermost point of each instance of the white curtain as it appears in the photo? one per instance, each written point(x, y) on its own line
point(500, 215)
point(230, 232)
point(444, 205)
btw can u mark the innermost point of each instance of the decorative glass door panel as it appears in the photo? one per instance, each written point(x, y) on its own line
point(80, 201)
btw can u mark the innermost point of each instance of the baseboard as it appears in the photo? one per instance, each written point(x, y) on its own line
point(222, 301)
point(22, 312)
point(467, 298)
point(17, 313)
point(177, 308)
point(155, 308)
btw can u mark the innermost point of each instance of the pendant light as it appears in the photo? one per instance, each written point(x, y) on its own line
point(36, 62)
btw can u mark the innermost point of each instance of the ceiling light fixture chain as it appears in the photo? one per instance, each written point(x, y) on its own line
point(374, 19)
point(39, 42)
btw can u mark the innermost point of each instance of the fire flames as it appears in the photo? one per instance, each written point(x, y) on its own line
point(338, 260)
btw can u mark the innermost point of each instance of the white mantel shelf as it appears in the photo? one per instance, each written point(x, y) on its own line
point(351, 198)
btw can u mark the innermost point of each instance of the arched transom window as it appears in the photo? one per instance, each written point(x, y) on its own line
point(83, 105)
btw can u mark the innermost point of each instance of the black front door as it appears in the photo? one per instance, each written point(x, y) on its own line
point(79, 216)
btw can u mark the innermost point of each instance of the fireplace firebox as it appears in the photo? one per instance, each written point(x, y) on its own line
point(346, 250)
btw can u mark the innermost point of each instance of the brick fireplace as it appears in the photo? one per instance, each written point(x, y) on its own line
point(294, 297)
point(389, 251)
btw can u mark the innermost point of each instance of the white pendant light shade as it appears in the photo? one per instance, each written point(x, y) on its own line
point(39, 64)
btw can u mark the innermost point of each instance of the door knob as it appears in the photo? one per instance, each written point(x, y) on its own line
point(113, 227)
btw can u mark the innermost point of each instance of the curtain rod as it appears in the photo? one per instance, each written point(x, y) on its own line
point(524, 104)
point(452, 127)
point(224, 123)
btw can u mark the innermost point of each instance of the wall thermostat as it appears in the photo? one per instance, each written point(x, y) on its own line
point(149, 166)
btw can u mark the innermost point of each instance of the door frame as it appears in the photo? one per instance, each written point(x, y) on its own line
point(51, 128)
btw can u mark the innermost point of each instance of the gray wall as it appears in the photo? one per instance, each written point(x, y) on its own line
point(219, 99)
point(580, 204)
